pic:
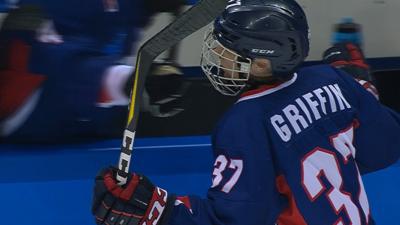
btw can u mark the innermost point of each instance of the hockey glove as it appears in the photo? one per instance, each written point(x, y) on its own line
point(350, 58)
point(164, 91)
point(138, 202)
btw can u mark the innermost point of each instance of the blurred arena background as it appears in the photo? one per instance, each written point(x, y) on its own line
point(376, 16)
point(182, 142)
point(380, 36)
point(380, 44)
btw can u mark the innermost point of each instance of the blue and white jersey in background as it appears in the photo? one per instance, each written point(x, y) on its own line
point(107, 25)
point(96, 34)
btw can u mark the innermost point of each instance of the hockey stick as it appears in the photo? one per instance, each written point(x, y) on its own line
point(173, 52)
point(190, 21)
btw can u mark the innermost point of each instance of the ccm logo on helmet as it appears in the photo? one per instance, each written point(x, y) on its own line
point(232, 3)
point(263, 51)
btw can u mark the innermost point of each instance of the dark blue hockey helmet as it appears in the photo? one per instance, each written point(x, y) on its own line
point(273, 29)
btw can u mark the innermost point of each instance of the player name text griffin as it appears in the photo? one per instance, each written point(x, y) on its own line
point(307, 109)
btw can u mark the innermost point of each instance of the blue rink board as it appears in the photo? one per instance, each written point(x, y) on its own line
point(52, 185)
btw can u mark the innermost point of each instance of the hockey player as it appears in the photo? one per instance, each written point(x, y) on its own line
point(291, 151)
point(64, 78)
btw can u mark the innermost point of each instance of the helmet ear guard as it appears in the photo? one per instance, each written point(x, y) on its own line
point(281, 49)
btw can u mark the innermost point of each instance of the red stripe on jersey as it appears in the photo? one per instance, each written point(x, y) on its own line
point(369, 87)
point(16, 82)
point(104, 96)
point(259, 90)
point(267, 89)
point(291, 215)
point(185, 201)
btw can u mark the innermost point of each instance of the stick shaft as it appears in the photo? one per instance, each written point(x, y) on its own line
point(186, 24)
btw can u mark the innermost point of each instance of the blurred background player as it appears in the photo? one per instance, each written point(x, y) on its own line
point(347, 54)
point(347, 30)
point(350, 58)
point(291, 151)
point(63, 76)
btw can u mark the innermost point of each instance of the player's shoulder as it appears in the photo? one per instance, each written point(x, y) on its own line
point(238, 124)
point(324, 74)
point(241, 113)
point(322, 70)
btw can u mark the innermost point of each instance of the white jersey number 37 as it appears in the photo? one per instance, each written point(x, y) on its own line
point(221, 164)
point(323, 162)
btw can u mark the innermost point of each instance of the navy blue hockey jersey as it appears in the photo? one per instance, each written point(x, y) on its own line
point(96, 35)
point(292, 154)
point(109, 26)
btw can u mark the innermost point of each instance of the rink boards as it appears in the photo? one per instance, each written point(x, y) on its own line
point(50, 185)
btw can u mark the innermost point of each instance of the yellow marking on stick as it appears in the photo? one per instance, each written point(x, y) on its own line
point(134, 92)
